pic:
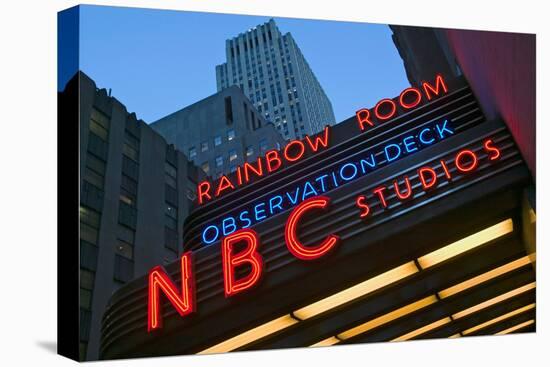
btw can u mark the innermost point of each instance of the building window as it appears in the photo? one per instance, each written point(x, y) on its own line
point(86, 279)
point(192, 153)
point(217, 140)
point(126, 234)
point(204, 146)
point(170, 175)
point(171, 181)
point(249, 150)
point(98, 130)
point(88, 233)
point(130, 168)
point(124, 249)
point(171, 195)
point(171, 211)
point(128, 190)
point(92, 176)
point(205, 167)
point(126, 198)
point(228, 110)
point(230, 134)
point(171, 239)
point(127, 215)
point(96, 165)
point(94, 171)
point(253, 120)
point(232, 155)
point(219, 161)
point(86, 288)
point(99, 124)
point(100, 118)
point(124, 269)
point(131, 147)
point(88, 255)
point(89, 217)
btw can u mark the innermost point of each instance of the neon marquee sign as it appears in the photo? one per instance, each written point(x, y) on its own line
point(240, 245)
point(465, 162)
point(386, 109)
point(346, 172)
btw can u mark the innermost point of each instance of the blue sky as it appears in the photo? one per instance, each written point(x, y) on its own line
point(159, 61)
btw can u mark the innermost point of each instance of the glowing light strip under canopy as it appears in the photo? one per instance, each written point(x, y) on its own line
point(411, 307)
point(326, 342)
point(499, 318)
point(495, 300)
point(466, 244)
point(390, 316)
point(491, 274)
point(251, 335)
point(356, 291)
point(423, 329)
point(516, 327)
point(366, 287)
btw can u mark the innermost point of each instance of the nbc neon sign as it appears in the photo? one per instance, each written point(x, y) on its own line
point(241, 247)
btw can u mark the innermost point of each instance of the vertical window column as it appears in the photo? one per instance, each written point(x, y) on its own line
point(91, 205)
point(127, 210)
point(171, 203)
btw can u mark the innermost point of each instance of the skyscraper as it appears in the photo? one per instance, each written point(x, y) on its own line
point(272, 72)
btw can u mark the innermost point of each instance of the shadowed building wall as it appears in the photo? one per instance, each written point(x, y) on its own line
point(501, 68)
point(135, 192)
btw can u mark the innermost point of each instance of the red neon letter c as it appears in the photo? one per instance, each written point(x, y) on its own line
point(293, 243)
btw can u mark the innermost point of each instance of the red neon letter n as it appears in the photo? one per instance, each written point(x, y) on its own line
point(160, 281)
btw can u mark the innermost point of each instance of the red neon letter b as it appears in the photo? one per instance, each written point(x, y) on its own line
point(248, 256)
